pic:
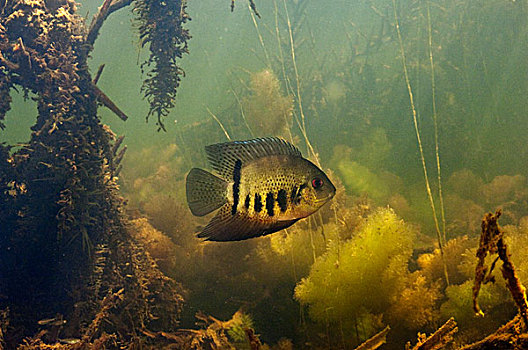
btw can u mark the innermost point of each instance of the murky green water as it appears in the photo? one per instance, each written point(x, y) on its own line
point(446, 95)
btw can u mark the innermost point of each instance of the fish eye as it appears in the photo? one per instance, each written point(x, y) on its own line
point(317, 183)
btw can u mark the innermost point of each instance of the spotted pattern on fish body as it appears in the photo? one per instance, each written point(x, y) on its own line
point(267, 186)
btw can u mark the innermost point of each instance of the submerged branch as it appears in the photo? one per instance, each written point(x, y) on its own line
point(98, 74)
point(440, 338)
point(101, 96)
point(104, 11)
point(376, 341)
point(492, 241)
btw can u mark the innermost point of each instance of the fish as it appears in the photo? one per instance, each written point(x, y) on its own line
point(55, 321)
point(261, 186)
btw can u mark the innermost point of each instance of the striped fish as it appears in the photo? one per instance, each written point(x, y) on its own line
point(263, 186)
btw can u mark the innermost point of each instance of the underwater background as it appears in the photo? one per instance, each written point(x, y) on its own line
point(416, 110)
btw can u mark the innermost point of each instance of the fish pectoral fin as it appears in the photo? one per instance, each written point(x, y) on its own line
point(228, 227)
point(205, 192)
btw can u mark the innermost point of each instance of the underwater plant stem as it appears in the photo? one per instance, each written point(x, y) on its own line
point(298, 86)
point(289, 89)
point(242, 113)
point(219, 123)
point(279, 45)
point(312, 243)
point(435, 121)
point(261, 40)
point(419, 139)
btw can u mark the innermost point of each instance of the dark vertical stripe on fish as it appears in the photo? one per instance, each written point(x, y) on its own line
point(247, 202)
point(293, 195)
point(282, 199)
point(236, 185)
point(258, 203)
point(270, 203)
point(296, 199)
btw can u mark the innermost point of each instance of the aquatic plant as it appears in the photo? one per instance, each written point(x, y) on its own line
point(465, 184)
point(240, 323)
point(415, 306)
point(358, 276)
point(268, 112)
point(160, 25)
point(65, 238)
point(510, 193)
point(375, 149)
point(462, 215)
point(456, 251)
point(159, 246)
point(360, 179)
point(217, 334)
point(493, 298)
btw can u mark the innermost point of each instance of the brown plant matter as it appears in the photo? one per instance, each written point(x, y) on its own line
point(161, 28)
point(267, 111)
point(437, 340)
point(159, 246)
point(5, 98)
point(492, 241)
point(508, 337)
point(64, 245)
point(375, 341)
point(214, 333)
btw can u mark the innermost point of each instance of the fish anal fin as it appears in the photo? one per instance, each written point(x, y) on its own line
point(228, 227)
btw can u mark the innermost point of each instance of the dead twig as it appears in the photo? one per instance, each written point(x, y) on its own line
point(375, 341)
point(105, 100)
point(98, 74)
point(437, 340)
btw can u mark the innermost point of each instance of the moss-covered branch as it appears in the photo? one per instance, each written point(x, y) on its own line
point(492, 241)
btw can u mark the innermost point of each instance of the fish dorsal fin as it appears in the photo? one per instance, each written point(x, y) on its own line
point(223, 156)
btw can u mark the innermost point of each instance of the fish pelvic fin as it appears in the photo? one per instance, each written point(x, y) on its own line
point(205, 192)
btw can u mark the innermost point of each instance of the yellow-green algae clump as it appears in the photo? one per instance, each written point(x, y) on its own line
point(355, 278)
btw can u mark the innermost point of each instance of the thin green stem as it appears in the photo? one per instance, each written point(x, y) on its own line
point(435, 121)
point(419, 139)
point(298, 85)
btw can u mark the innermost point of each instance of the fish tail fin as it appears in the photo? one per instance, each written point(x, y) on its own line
point(205, 192)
